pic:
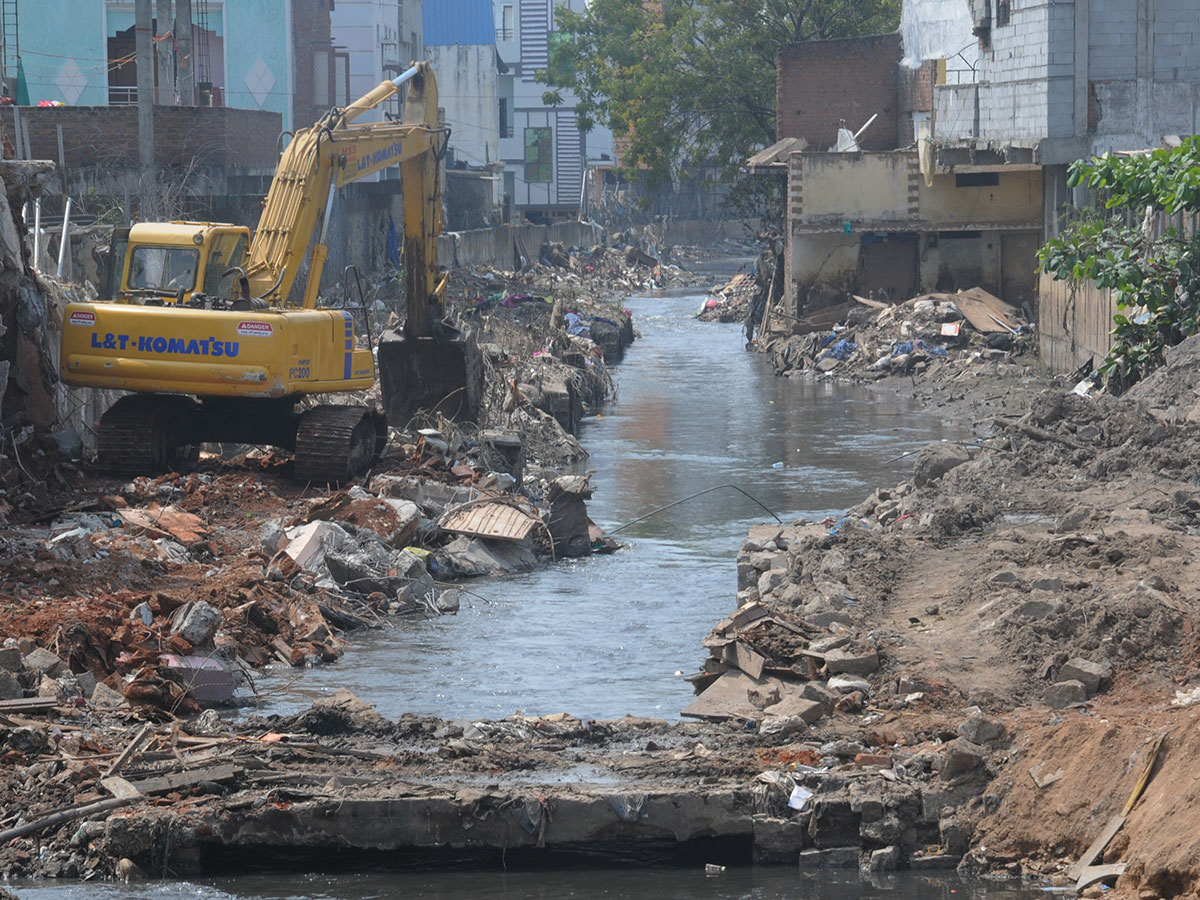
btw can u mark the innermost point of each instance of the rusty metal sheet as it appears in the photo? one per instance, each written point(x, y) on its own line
point(489, 520)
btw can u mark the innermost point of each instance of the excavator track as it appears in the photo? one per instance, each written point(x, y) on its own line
point(336, 443)
point(144, 434)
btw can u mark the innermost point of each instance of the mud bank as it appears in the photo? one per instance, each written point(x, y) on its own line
point(1019, 618)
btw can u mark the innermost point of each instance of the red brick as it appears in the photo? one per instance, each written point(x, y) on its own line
point(862, 760)
point(819, 83)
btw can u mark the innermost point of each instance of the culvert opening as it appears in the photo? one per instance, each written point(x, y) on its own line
point(725, 851)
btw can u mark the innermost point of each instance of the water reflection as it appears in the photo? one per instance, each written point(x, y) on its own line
point(761, 883)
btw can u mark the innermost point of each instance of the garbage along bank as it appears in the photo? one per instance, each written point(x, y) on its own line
point(1016, 622)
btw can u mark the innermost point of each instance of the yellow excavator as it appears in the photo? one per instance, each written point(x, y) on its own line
point(217, 343)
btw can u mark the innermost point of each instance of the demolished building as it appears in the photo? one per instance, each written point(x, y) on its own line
point(961, 174)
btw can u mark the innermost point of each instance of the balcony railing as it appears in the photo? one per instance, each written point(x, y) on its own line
point(122, 95)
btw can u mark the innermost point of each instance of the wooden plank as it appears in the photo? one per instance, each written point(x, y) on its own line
point(874, 304)
point(978, 307)
point(175, 780)
point(1092, 853)
point(29, 704)
point(133, 747)
point(63, 815)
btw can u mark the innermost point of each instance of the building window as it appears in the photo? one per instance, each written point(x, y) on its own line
point(539, 159)
point(1003, 12)
point(341, 79)
point(506, 127)
point(321, 78)
point(506, 23)
point(977, 179)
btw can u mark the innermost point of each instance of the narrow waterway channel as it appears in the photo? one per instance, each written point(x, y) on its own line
point(611, 635)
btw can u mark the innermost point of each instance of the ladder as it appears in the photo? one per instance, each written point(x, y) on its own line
point(10, 46)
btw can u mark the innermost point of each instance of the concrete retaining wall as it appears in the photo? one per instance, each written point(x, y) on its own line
point(1074, 323)
point(500, 246)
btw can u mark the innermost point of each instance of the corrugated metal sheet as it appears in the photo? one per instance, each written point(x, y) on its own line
point(449, 22)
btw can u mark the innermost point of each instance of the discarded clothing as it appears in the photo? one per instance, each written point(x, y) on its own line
point(842, 350)
point(576, 326)
point(903, 348)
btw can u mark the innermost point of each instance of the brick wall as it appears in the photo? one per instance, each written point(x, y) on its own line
point(195, 136)
point(819, 83)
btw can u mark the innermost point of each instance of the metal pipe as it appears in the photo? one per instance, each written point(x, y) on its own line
point(406, 75)
point(62, 245)
point(37, 233)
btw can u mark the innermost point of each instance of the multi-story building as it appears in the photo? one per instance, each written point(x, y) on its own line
point(962, 174)
point(269, 55)
point(545, 154)
point(373, 40)
point(460, 42)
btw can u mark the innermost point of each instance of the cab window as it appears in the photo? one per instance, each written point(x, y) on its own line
point(163, 269)
point(228, 250)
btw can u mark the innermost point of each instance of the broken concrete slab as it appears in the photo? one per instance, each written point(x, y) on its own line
point(10, 688)
point(796, 707)
point(470, 557)
point(729, 697)
point(43, 662)
point(308, 543)
point(962, 756)
point(935, 460)
point(848, 661)
point(207, 678)
point(980, 729)
point(196, 622)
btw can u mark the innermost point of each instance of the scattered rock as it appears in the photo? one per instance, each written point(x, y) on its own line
point(982, 730)
point(42, 662)
point(1087, 673)
point(935, 460)
point(1065, 693)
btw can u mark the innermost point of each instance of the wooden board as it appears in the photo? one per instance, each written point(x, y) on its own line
point(28, 704)
point(978, 307)
point(489, 520)
point(166, 521)
point(1111, 827)
point(175, 780)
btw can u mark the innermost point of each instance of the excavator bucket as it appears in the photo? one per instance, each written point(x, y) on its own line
point(443, 374)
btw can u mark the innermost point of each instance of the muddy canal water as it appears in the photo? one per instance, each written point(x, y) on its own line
point(611, 635)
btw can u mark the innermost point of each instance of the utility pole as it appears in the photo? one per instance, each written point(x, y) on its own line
point(144, 45)
point(187, 61)
point(164, 52)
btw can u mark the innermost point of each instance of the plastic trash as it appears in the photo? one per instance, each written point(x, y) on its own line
point(777, 465)
point(800, 797)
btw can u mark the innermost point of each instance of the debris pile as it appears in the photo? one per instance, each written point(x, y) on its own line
point(947, 336)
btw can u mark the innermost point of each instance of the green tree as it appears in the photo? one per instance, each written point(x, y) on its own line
point(689, 82)
point(1154, 274)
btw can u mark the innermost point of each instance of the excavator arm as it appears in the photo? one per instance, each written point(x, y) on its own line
point(335, 152)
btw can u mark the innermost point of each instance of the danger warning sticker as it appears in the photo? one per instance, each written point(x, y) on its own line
point(255, 329)
point(80, 317)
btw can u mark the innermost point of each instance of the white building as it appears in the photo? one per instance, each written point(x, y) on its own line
point(373, 40)
point(543, 151)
